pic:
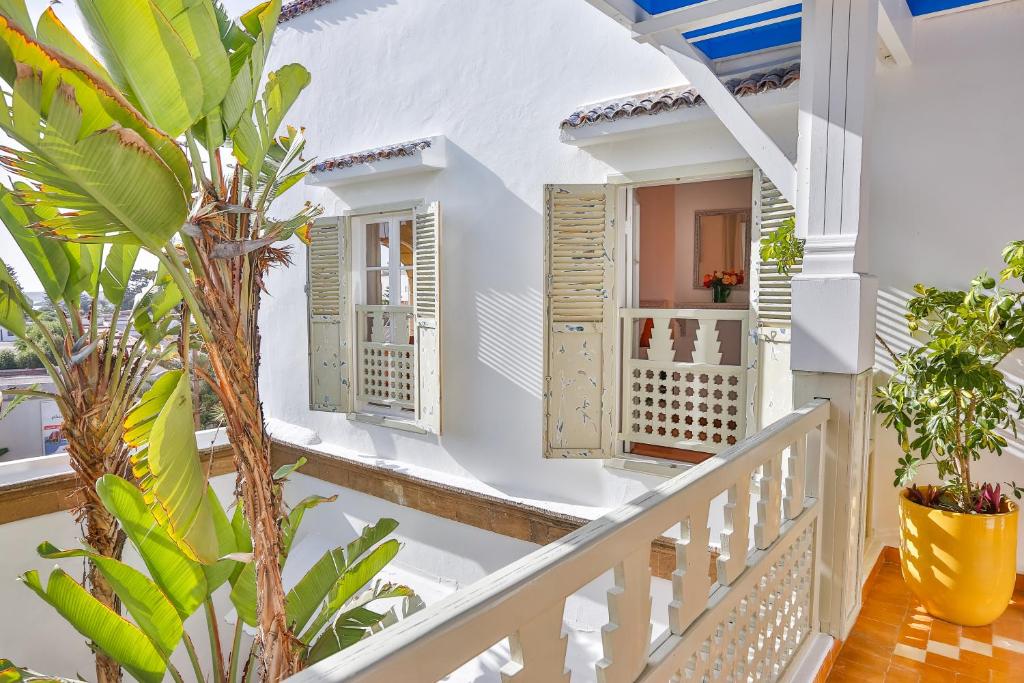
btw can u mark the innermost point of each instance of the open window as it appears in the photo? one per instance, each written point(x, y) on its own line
point(373, 303)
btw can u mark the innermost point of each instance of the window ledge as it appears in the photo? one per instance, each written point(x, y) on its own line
point(387, 421)
point(647, 465)
point(417, 156)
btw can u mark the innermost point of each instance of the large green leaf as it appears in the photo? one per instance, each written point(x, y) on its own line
point(147, 604)
point(353, 579)
point(148, 58)
point(196, 25)
point(12, 303)
point(295, 515)
point(117, 270)
point(254, 135)
point(168, 467)
point(247, 61)
point(52, 32)
point(111, 633)
point(112, 183)
point(102, 105)
point(217, 574)
point(357, 621)
point(180, 579)
point(17, 12)
point(243, 594)
point(83, 269)
point(310, 591)
point(45, 255)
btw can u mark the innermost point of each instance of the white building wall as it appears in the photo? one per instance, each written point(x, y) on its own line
point(946, 190)
point(496, 79)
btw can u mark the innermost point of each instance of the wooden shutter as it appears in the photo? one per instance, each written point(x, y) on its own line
point(772, 291)
point(580, 321)
point(426, 306)
point(328, 272)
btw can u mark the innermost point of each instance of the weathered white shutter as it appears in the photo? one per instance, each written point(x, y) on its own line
point(580, 321)
point(772, 291)
point(426, 306)
point(769, 382)
point(328, 271)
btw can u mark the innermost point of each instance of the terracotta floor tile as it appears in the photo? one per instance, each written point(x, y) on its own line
point(895, 640)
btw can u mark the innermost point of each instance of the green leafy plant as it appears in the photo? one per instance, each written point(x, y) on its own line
point(782, 247)
point(169, 141)
point(947, 400)
point(97, 370)
point(190, 548)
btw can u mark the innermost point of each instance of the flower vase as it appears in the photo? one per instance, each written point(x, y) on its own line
point(720, 293)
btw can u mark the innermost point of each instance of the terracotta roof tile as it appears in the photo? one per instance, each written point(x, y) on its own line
point(670, 99)
point(402, 149)
point(294, 9)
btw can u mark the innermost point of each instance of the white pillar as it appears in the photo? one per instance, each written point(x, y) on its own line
point(834, 296)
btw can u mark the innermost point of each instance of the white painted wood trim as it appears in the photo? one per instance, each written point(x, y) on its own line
point(758, 144)
point(432, 643)
point(896, 29)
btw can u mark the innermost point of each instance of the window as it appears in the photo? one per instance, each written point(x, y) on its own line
point(374, 339)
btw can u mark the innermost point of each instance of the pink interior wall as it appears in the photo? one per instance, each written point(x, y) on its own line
point(667, 231)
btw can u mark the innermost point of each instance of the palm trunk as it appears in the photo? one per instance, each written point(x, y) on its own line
point(228, 296)
point(96, 449)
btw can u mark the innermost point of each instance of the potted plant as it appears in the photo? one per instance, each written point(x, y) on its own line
point(950, 405)
point(721, 284)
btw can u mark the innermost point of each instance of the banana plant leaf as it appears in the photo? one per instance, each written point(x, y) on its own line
point(102, 105)
point(254, 135)
point(12, 303)
point(111, 183)
point(118, 263)
point(109, 632)
point(46, 256)
point(152, 611)
point(314, 586)
point(358, 621)
point(220, 572)
point(168, 467)
point(148, 58)
point(181, 580)
point(52, 32)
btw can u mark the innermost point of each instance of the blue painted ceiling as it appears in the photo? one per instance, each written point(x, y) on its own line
point(768, 29)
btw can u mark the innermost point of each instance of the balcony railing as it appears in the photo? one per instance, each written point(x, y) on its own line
point(386, 356)
point(748, 623)
point(684, 377)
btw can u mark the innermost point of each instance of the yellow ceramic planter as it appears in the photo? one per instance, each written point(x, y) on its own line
point(961, 567)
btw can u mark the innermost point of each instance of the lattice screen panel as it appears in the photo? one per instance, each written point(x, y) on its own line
point(685, 405)
point(764, 628)
point(388, 374)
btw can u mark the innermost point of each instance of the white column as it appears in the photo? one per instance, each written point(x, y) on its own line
point(834, 296)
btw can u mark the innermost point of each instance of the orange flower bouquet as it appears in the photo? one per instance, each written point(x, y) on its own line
point(721, 284)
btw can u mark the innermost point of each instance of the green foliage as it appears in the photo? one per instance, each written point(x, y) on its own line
point(947, 399)
point(782, 247)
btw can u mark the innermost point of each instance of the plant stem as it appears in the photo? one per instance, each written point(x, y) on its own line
point(191, 649)
point(236, 644)
point(216, 653)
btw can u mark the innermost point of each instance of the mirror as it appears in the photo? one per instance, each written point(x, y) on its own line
point(721, 242)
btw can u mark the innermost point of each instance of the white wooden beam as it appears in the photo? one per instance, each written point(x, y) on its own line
point(626, 12)
point(896, 29)
point(704, 14)
point(758, 144)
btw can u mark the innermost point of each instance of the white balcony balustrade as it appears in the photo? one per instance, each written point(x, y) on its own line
point(747, 623)
point(386, 356)
point(684, 378)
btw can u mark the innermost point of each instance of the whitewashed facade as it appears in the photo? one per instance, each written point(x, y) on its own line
point(495, 80)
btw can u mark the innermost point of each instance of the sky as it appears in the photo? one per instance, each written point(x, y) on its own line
point(68, 13)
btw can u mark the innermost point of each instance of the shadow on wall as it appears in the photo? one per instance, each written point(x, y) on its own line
point(892, 327)
point(330, 11)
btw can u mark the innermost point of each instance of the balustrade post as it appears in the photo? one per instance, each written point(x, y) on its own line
point(627, 635)
point(691, 583)
point(538, 650)
point(735, 536)
point(769, 503)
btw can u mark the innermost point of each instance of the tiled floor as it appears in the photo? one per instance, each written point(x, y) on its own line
point(896, 640)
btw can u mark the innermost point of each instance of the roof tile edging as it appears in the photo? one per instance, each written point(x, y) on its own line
point(670, 99)
point(369, 156)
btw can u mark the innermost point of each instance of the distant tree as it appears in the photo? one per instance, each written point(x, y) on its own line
point(138, 281)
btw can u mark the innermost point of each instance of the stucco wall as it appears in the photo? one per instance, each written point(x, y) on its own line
point(945, 184)
point(946, 155)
